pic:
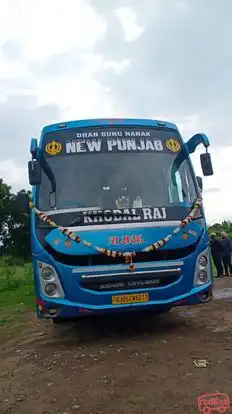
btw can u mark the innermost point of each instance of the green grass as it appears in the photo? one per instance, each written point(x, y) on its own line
point(16, 291)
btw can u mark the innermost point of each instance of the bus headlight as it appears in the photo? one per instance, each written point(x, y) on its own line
point(202, 269)
point(47, 273)
point(203, 261)
point(202, 275)
point(50, 289)
point(49, 281)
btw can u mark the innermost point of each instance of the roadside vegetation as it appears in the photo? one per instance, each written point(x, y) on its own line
point(16, 293)
point(16, 285)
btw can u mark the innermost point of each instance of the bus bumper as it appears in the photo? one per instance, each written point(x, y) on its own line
point(65, 309)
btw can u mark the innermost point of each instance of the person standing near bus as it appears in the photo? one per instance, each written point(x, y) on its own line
point(216, 251)
point(226, 253)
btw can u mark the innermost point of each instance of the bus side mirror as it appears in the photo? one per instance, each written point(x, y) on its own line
point(34, 172)
point(206, 164)
point(200, 183)
point(22, 202)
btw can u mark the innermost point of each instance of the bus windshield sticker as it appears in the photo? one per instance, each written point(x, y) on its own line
point(71, 142)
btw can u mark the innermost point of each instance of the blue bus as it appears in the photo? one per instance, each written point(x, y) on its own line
point(117, 220)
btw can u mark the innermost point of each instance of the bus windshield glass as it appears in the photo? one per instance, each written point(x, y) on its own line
point(119, 167)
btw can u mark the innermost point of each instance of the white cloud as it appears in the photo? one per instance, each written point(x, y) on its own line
point(13, 174)
point(218, 201)
point(182, 7)
point(216, 197)
point(12, 70)
point(55, 53)
point(62, 32)
point(81, 95)
point(47, 27)
point(117, 67)
point(128, 20)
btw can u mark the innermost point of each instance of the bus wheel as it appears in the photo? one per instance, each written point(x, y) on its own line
point(58, 321)
point(162, 310)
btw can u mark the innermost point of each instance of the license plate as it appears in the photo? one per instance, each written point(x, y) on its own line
point(125, 299)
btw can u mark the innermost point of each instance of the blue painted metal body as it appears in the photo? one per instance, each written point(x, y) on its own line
point(79, 301)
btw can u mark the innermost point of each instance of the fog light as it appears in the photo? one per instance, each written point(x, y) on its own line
point(205, 296)
point(50, 289)
point(52, 312)
point(47, 273)
point(203, 261)
point(203, 276)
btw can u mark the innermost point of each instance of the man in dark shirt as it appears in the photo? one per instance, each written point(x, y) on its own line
point(216, 251)
point(226, 253)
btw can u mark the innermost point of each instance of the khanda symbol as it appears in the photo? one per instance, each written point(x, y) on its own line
point(172, 144)
point(53, 147)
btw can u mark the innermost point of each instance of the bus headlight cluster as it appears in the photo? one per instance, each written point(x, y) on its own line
point(203, 260)
point(50, 289)
point(49, 281)
point(203, 276)
point(47, 273)
point(202, 269)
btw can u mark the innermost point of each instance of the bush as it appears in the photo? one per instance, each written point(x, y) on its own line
point(14, 274)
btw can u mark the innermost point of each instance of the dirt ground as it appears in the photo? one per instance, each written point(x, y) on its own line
point(138, 363)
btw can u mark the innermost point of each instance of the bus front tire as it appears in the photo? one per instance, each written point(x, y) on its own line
point(162, 310)
point(58, 321)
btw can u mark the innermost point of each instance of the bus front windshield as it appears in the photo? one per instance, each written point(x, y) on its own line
point(116, 167)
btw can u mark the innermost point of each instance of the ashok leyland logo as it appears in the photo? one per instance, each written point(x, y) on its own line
point(217, 402)
point(53, 148)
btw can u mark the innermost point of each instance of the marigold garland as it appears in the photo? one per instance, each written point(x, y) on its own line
point(128, 256)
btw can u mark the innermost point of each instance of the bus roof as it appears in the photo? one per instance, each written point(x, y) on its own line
point(106, 121)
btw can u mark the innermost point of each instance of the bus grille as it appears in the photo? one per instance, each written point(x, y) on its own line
point(100, 259)
point(129, 283)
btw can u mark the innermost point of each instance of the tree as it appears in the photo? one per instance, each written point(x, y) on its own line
point(14, 225)
point(6, 200)
point(219, 227)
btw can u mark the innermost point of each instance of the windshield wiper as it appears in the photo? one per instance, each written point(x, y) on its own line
point(80, 218)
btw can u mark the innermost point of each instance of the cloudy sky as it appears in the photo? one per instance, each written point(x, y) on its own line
point(164, 59)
